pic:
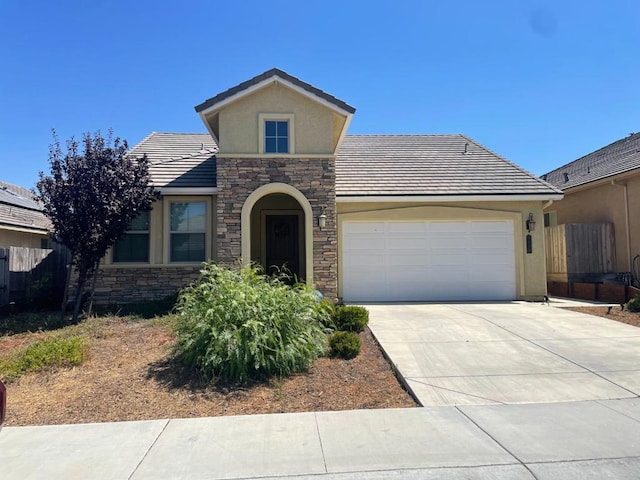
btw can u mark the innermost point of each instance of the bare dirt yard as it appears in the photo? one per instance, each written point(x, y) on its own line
point(129, 376)
point(617, 314)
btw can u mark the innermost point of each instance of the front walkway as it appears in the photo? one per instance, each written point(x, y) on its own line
point(483, 353)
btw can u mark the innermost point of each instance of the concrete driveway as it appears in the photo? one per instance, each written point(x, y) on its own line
point(505, 353)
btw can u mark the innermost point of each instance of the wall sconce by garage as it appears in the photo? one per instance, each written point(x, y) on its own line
point(322, 220)
point(530, 223)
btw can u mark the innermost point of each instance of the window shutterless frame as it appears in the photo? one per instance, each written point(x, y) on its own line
point(133, 246)
point(276, 133)
point(187, 231)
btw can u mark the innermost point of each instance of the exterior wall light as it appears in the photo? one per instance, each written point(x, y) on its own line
point(530, 223)
point(322, 220)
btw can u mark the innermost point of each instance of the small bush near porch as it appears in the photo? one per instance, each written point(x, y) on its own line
point(237, 325)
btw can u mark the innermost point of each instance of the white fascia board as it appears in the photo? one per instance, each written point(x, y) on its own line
point(264, 83)
point(21, 229)
point(445, 198)
point(188, 190)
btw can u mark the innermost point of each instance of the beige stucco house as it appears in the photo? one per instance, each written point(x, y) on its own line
point(22, 223)
point(276, 180)
point(603, 187)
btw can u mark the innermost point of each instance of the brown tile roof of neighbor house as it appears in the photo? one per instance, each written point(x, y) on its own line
point(179, 159)
point(619, 157)
point(436, 165)
point(268, 74)
point(18, 208)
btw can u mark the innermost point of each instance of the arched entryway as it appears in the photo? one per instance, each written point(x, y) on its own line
point(277, 230)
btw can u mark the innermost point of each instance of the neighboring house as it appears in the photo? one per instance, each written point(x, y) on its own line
point(22, 223)
point(277, 180)
point(603, 187)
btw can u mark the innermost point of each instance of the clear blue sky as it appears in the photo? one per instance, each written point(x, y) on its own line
point(539, 82)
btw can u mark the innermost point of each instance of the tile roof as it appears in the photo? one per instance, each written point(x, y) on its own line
point(619, 157)
point(365, 165)
point(179, 159)
point(428, 165)
point(268, 74)
point(18, 208)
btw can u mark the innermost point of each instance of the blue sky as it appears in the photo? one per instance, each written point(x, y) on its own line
point(539, 82)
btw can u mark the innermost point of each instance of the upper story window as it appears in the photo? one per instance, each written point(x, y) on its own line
point(276, 136)
point(188, 228)
point(276, 133)
point(133, 246)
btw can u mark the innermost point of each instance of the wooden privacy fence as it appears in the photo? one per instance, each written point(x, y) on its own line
point(579, 252)
point(32, 274)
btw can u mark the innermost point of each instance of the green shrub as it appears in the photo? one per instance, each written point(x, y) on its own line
point(351, 318)
point(633, 305)
point(54, 352)
point(344, 345)
point(236, 324)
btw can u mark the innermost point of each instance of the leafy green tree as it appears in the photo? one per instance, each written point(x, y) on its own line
point(91, 197)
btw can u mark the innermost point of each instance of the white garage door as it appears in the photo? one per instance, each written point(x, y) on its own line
point(428, 261)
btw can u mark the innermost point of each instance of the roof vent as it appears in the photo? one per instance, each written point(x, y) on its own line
point(566, 177)
point(544, 177)
point(466, 148)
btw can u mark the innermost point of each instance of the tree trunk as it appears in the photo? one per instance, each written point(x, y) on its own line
point(82, 278)
point(93, 290)
point(65, 295)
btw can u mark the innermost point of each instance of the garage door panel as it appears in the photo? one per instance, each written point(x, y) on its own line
point(428, 261)
point(406, 227)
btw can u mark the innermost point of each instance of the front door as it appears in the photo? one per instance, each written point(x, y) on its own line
point(282, 245)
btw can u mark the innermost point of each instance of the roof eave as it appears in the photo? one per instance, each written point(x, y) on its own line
point(449, 198)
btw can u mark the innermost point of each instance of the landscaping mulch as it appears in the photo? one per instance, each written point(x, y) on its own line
point(616, 313)
point(129, 376)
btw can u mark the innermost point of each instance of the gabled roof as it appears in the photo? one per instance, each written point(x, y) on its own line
point(366, 165)
point(19, 209)
point(619, 157)
point(179, 159)
point(274, 73)
point(416, 165)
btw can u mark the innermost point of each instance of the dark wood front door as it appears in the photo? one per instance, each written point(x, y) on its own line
point(282, 244)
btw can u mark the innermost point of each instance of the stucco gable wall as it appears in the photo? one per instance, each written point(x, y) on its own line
point(314, 123)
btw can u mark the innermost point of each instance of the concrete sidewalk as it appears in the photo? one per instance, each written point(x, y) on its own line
point(576, 440)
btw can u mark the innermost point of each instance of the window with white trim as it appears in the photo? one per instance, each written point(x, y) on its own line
point(133, 246)
point(187, 231)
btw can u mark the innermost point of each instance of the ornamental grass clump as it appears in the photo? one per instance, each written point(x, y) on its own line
point(235, 324)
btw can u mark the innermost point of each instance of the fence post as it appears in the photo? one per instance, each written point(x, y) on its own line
point(4, 276)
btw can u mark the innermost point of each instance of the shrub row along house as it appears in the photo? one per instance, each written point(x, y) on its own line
point(277, 181)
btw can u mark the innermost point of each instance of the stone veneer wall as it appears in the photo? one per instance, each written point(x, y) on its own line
point(315, 178)
point(121, 285)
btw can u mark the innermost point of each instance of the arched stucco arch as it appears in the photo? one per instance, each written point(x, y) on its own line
point(245, 219)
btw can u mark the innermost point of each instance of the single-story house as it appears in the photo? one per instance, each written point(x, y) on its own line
point(276, 180)
point(603, 187)
point(22, 223)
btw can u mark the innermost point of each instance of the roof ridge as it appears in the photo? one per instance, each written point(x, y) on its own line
point(406, 135)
